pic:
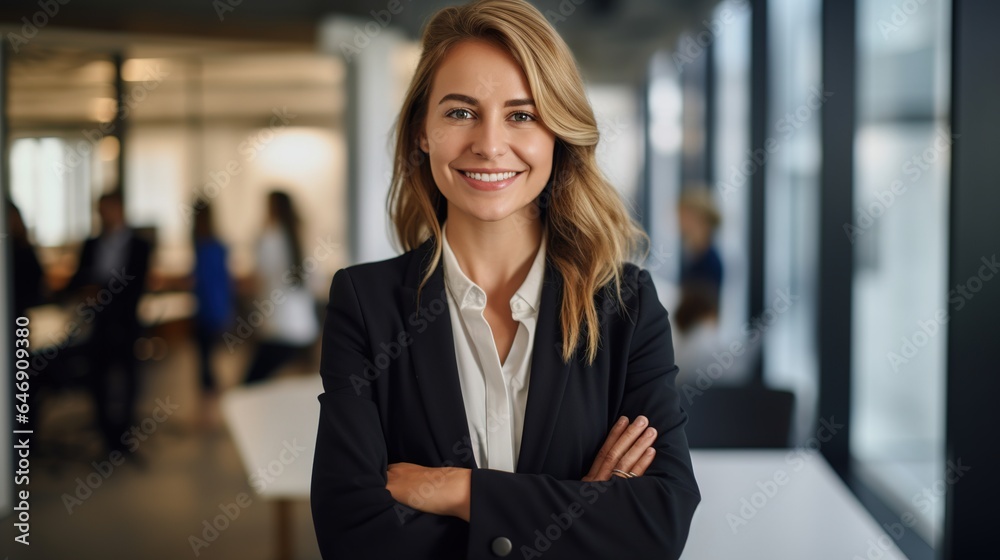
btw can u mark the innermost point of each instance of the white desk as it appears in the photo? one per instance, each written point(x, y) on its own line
point(813, 515)
point(274, 425)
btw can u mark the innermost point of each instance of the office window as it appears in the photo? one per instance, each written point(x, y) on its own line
point(731, 135)
point(796, 99)
point(52, 191)
point(664, 134)
point(899, 234)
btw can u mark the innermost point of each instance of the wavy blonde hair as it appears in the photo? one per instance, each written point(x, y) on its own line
point(590, 233)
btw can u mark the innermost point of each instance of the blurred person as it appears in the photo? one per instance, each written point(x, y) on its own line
point(28, 284)
point(110, 280)
point(699, 341)
point(290, 328)
point(29, 278)
point(699, 219)
point(213, 288)
point(513, 354)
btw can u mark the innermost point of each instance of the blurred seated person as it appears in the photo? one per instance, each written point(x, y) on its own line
point(109, 281)
point(699, 219)
point(699, 343)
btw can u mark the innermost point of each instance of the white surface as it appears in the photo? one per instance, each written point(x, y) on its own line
point(274, 425)
point(812, 515)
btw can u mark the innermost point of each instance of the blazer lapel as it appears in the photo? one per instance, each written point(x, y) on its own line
point(548, 376)
point(432, 350)
point(436, 370)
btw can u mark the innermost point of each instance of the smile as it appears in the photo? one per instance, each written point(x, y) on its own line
point(490, 177)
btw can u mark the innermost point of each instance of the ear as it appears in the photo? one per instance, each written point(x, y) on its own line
point(424, 144)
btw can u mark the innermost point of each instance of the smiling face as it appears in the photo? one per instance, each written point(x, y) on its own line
point(490, 154)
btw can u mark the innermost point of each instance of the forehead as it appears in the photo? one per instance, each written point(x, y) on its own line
point(481, 70)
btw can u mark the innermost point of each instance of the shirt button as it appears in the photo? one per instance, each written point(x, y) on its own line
point(502, 546)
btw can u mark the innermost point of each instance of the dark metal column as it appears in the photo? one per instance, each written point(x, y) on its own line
point(836, 263)
point(759, 86)
point(118, 129)
point(972, 414)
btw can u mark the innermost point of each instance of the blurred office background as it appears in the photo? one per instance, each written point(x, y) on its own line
point(813, 174)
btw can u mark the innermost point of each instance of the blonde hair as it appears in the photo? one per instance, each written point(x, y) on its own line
point(590, 234)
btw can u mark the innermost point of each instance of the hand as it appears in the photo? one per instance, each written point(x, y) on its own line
point(628, 447)
point(442, 490)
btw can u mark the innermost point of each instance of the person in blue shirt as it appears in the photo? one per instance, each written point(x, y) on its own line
point(214, 290)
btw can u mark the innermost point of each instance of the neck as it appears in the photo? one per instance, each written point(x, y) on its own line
point(495, 255)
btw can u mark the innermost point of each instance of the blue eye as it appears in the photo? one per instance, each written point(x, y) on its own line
point(455, 112)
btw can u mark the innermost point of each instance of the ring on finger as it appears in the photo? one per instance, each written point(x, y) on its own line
point(621, 473)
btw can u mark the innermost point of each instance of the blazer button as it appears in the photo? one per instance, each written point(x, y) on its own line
point(502, 546)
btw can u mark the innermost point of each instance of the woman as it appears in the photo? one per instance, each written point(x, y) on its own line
point(289, 327)
point(507, 384)
point(214, 291)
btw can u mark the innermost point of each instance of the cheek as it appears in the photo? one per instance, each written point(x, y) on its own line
point(538, 152)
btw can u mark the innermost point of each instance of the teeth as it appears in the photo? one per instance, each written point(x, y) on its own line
point(490, 177)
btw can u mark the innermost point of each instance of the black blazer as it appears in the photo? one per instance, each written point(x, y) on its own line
point(118, 316)
point(392, 394)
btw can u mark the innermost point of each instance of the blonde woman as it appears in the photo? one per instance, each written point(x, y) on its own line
point(506, 385)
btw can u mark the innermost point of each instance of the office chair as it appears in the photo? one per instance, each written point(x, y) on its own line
point(738, 417)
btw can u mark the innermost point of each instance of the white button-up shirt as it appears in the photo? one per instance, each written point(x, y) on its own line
point(495, 395)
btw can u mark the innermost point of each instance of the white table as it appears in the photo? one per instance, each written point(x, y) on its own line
point(795, 507)
point(274, 425)
point(803, 511)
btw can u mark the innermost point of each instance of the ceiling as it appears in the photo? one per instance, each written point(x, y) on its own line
point(612, 39)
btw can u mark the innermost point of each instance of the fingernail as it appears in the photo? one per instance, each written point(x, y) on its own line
point(641, 421)
point(650, 451)
point(651, 432)
point(622, 421)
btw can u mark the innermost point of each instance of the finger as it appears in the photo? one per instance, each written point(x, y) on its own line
point(646, 459)
point(639, 447)
point(622, 446)
point(616, 431)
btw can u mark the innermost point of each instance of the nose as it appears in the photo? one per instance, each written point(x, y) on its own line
point(490, 139)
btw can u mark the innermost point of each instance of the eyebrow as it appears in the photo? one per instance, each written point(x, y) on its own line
point(474, 101)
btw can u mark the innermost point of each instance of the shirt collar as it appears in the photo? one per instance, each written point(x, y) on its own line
point(526, 299)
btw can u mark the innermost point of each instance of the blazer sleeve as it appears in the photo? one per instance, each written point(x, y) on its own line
point(354, 515)
point(642, 518)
